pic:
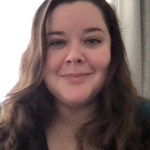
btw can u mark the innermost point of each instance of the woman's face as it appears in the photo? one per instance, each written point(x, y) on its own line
point(78, 53)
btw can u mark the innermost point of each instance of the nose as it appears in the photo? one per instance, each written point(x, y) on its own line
point(75, 56)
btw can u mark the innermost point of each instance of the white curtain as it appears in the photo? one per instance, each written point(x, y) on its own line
point(134, 16)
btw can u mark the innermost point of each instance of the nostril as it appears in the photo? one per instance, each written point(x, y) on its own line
point(69, 62)
point(79, 61)
point(73, 58)
point(75, 61)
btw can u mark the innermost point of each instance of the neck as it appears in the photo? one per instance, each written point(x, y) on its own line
point(74, 117)
point(67, 121)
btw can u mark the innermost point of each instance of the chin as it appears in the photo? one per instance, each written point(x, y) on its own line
point(76, 102)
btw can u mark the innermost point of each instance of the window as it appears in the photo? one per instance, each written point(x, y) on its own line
point(16, 18)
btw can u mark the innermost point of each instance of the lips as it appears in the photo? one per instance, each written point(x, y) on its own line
point(76, 77)
point(76, 74)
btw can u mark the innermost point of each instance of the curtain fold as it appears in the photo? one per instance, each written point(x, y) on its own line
point(134, 16)
point(145, 27)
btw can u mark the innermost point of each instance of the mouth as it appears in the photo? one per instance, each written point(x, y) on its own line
point(76, 74)
point(76, 77)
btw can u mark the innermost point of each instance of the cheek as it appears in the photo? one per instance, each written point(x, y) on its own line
point(101, 61)
point(53, 63)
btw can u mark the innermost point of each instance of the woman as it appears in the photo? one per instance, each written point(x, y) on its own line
point(74, 90)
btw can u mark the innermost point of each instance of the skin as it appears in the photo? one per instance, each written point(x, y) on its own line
point(78, 57)
point(77, 62)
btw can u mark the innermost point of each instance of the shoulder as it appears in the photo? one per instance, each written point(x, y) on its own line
point(143, 119)
point(143, 107)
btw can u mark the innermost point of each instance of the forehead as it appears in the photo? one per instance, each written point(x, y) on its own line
point(76, 14)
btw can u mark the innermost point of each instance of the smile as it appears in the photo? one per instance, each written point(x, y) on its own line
point(76, 78)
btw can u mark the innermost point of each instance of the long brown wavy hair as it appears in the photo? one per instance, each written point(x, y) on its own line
point(29, 107)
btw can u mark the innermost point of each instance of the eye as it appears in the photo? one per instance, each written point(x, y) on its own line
point(92, 42)
point(56, 44)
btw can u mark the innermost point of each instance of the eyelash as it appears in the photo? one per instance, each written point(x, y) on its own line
point(56, 43)
point(90, 42)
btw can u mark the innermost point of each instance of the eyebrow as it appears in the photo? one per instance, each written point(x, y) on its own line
point(88, 30)
point(95, 29)
point(55, 33)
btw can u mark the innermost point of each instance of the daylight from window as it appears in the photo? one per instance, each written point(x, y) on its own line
point(15, 25)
